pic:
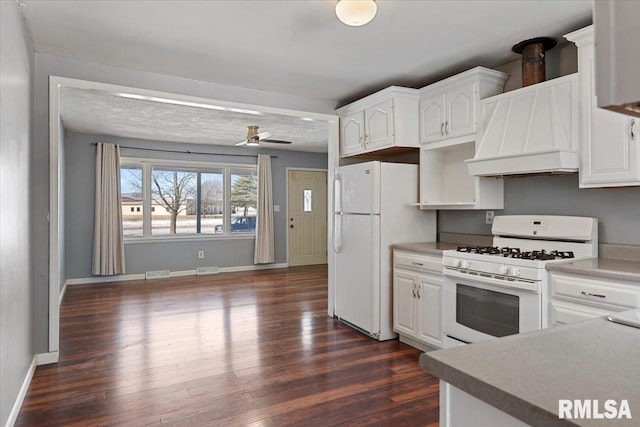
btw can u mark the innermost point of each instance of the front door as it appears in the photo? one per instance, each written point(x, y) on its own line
point(307, 217)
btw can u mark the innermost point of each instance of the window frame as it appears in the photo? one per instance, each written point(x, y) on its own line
point(227, 169)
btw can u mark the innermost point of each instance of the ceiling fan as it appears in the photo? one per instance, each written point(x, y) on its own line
point(254, 138)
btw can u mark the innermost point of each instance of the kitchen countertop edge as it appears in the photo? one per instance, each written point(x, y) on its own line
point(492, 395)
point(605, 268)
point(425, 248)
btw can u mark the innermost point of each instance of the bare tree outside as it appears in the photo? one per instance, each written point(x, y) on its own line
point(171, 189)
point(212, 194)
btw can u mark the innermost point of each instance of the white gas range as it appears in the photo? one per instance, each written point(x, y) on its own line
point(503, 289)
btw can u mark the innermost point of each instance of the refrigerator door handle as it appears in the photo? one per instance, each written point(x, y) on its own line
point(337, 231)
point(337, 193)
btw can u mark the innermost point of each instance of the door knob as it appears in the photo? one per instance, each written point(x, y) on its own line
point(291, 226)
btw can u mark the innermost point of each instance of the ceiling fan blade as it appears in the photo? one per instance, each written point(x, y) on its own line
point(242, 143)
point(276, 141)
point(263, 135)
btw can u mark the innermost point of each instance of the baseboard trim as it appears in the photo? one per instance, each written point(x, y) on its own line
point(126, 277)
point(47, 358)
point(64, 289)
point(15, 409)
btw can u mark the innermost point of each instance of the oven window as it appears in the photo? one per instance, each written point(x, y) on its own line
point(489, 312)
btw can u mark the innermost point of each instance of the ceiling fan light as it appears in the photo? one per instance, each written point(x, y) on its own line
point(356, 13)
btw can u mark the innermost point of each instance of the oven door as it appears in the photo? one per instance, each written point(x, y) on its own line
point(478, 309)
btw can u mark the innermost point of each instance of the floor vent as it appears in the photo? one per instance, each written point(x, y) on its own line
point(206, 270)
point(158, 274)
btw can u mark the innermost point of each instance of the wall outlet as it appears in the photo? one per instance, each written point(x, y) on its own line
point(276, 208)
point(488, 219)
point(201, 254)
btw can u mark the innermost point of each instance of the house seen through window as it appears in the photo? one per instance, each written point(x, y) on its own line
point(187, 199)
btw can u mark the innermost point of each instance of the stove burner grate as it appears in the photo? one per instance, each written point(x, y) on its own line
point(507, 252)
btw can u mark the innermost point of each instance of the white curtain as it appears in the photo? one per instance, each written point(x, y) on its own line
point(108, 245)
point(264, 251)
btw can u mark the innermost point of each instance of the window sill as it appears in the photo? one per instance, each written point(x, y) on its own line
point(189, 238)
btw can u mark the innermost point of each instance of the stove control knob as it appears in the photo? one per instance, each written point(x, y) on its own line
point(515, 272)
point(503, 269)
point(465, 264)
point(455, 262)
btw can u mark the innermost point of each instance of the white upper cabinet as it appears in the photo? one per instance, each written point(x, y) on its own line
point(448, 108)
point(386, 120)
point(352, 133)
point(609, 154)
point(379, 125)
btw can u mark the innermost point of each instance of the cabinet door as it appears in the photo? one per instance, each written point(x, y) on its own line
point(352, 134)
point(429, 299)
point(379, 126)
point(432, 117)
point(610, 153)
point(405, 289)
point(460, 115)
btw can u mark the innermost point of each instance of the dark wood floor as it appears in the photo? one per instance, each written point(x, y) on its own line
point(250, 348)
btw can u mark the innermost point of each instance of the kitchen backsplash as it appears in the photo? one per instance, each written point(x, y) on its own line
point(617, 209)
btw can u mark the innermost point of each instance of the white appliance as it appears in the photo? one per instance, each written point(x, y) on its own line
point(375, 207)
point(501, 290)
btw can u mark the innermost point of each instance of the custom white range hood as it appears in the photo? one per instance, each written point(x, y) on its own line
point(535, 129)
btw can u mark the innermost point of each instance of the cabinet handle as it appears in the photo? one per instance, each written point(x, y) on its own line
point(631, 131)
point(361, 142)
point(442, 128)
point(589, 294)
point(416, 263)
point(418, 293)
point(446, 128)
point(414, 292)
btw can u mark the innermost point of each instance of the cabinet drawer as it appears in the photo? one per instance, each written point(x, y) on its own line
point(563, 313)
point(599, 292)
point(418, 262)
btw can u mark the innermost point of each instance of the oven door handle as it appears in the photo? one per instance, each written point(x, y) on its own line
point(515, 284)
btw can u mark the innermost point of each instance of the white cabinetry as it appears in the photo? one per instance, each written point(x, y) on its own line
point(448, 131)
point(445, 182)
point(448, 108)
point(609, 154)
point(417, 299)
point(575, 297)
point(386, 120)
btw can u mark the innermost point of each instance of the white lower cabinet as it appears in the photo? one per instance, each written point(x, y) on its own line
point(417, 299)
point(574, 298)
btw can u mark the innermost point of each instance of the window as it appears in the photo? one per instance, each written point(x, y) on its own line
point(131, 194)
point(189, 198)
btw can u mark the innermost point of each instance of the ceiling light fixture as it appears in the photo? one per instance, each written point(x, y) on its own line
point(356, 13)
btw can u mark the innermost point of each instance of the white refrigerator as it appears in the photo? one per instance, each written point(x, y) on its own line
point(374, 207)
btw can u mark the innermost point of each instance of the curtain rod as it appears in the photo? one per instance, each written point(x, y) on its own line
point(186, 152)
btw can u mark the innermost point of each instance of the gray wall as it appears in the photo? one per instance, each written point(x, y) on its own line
point(16, 284)
point(46, 65)
point(618, 209)
point(179, 255)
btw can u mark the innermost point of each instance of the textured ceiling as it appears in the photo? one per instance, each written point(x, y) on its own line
point(92, 111)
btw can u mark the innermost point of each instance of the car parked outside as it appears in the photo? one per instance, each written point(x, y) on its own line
point(240, 224)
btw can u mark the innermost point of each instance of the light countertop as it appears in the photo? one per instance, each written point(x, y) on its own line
point(427, 248)
point(525, 375)
point(606, 268)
